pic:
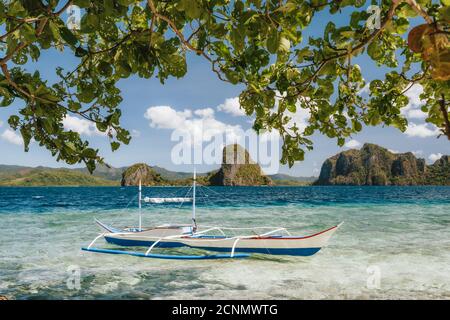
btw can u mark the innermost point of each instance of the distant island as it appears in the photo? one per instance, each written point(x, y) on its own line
point(43, 176)
point(371, 165)
point(239, 170)
point(248, 173)
point(11, 175)
point(375, 165)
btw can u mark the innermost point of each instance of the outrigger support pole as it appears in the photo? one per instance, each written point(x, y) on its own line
point(194, 223)
point(140, 205)
point(96, 238)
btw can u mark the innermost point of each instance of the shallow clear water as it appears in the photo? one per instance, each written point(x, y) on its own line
point(395, 243)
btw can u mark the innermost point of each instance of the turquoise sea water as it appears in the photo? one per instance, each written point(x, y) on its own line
point(395, 243)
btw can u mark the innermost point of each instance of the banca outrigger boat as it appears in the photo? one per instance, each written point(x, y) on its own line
point(263, 240)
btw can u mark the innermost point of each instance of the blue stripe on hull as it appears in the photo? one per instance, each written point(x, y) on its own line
point(277, 251)
point(165, 256)
point(141, 243)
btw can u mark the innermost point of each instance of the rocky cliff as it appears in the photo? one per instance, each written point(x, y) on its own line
point(143, 172)
point(375, 165)
point(439, 172)
point(238, 169)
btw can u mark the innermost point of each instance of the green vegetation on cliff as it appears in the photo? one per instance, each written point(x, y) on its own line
point(238, 169)
point(375, 165)
point(102, 171)
point(51, 177)
point(439, 172)
point(141, 172)
point(372, 165)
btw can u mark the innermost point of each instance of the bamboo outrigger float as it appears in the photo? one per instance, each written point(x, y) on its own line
point(264, 240)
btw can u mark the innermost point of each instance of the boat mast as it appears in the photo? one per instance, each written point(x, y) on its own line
point(140, 205)
point(194, 223)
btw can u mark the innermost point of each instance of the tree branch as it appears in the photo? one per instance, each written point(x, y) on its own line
point(12, 30)
point(59, 12)
point(443, 108)
point(182, 38)
point(13, 84)
point(416, 7)
point(173, 27)
point(42, 23)
point(34, 98)
point(373, 35)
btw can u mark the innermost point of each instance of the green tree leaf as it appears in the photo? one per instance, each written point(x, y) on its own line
point(254, 44)
point(68, 36)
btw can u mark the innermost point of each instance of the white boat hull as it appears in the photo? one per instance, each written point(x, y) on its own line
point(275, 245)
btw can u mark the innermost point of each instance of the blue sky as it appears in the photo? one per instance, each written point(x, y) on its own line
point(200, 89)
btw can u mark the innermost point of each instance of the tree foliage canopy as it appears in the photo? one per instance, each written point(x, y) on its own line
point(254, 42)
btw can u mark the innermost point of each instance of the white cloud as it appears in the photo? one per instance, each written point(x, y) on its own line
point(12, 137)
point(135, 133)
point(423, 130)
point(416, 114)
point(393, 151)
point(412, 110)
point(81, 126)
point(269, 136)
point(199, 125)
point(75, 124)
point(164, 117)
point(434, 157)
point(417, 153)
point(352, 144)
point(205, 113)
point(231, 106)
point(299, 118)
point(365, 90)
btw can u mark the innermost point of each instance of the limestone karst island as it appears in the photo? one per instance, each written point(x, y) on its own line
point(370, 165)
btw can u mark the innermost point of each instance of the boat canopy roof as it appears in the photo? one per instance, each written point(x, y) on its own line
point(166, 200)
